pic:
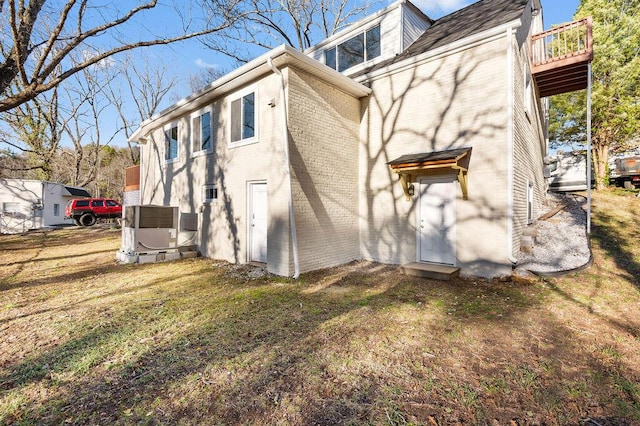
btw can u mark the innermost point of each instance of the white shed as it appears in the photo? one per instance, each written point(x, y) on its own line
point(32, 204)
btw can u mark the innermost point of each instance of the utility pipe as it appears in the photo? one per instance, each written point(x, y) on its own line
point(285, 142)
point(510, 109)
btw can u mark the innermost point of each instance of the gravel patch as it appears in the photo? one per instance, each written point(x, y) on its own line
point(561, 243)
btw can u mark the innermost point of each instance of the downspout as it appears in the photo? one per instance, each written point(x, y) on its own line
point(285, 143)
point(510, 112)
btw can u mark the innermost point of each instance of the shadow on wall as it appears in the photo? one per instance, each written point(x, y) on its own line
point(452, 103)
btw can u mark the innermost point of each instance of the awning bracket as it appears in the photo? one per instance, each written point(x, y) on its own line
point(410, 167)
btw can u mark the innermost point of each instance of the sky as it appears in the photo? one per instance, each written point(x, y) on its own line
point(189, 57)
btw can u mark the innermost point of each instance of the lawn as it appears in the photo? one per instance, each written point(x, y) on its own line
point(87, 341)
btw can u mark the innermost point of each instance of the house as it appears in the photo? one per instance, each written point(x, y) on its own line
point(32, 204)
point(401, 140)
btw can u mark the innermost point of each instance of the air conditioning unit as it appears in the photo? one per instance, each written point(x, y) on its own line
point(151, 233)
point(149, 229)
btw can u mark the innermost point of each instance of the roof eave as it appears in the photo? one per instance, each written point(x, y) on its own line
point(281, 56)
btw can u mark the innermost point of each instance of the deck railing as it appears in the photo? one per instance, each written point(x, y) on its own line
point(563, 42)
point(132, 178)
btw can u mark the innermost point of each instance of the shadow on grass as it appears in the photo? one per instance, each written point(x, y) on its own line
point(350, 345)
point(218, 346)
point(620, 241)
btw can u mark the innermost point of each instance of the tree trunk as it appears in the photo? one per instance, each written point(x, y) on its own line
point(600, 154)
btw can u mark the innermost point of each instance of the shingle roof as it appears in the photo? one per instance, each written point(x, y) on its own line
point(425, 157)
point(77, 192)
point(473, 19)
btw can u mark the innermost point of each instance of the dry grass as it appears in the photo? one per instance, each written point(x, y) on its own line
point(86, 341)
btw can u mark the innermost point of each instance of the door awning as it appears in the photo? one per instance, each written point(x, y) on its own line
point(412, 166)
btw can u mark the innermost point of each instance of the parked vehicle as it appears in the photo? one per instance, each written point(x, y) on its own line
point(86, 211)
point(625, 172)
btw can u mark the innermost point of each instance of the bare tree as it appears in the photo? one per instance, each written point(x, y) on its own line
point(143, 86)
point(35, 131)
point(40, 37)
point(296, 23)
point(204, 78)
point(87, 101)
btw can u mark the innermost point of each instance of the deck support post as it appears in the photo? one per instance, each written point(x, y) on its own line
point(589, 149)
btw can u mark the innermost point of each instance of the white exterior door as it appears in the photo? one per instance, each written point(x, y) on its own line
point(436, 221)
point(258, 222)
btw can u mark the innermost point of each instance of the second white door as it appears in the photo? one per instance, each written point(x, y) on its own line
point(436, 221)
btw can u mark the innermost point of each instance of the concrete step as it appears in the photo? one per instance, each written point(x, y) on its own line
point(434, 271)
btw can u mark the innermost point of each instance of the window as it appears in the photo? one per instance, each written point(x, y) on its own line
point(209, 194)
point(529, 202)
point(56, 209)
point(373, 43)
point(171, 143)
point(351, 52)
point(10, 208)
point(243, 119)
point(361, 48)
point(330, 57)
point(201, 137)
point(97, 203)
point(82, 203)
point(112, 203)
point(528, 94)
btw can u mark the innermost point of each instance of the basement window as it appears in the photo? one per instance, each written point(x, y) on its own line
point(209, 194)
point(529, 202)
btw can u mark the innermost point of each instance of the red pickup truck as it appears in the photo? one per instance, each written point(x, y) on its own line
point(86, 211)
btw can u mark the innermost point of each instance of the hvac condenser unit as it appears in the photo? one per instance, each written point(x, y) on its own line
point(149, 229)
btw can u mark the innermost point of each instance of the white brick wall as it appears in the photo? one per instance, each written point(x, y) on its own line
point(323, 124)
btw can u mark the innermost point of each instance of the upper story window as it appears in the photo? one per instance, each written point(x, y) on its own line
point(361, 48)
point(171, 142)
point(201, 135)
point(243, 120)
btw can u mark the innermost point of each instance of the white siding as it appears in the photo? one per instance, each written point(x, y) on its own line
point(529, 142)
point(413, 25)
point(452, 102)
point(223, 223)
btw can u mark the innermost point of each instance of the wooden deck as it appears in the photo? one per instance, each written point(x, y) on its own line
point(560, 57)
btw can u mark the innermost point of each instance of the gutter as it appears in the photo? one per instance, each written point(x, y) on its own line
point(510, 132)
point(285, 143)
